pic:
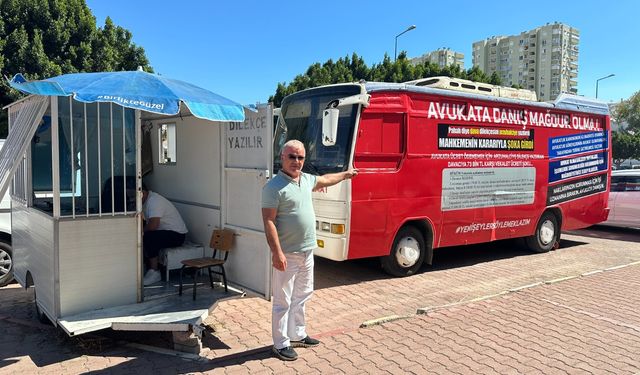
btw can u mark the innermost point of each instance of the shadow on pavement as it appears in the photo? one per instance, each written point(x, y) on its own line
point(463, 256)
point(22, 335)
point(7, 362)
point(330, 273)
point(609, 233)
point(257, 354)
point(211, 341)
point(43, 346)
point(175, 365)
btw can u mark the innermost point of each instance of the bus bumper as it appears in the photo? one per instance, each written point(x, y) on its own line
point(332, 248)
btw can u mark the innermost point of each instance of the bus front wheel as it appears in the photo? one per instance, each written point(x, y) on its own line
point(547, 234)
point(407, 253)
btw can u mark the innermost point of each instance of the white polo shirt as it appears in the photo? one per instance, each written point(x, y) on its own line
point(159, 206)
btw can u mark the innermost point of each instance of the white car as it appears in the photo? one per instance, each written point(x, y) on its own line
point(6, 262)
point(624, 199)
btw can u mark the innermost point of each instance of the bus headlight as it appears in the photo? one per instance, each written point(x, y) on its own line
point(325, 226)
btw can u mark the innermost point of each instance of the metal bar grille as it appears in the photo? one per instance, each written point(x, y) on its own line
point(124, 162)
point(73, 161)
point(86, 166)
point(99, 162)
point(113, 210)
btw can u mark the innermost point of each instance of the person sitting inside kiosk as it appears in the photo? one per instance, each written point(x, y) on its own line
point(163, 228)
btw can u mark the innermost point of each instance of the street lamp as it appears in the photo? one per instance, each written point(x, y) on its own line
point(395, 50)
point(600, 79)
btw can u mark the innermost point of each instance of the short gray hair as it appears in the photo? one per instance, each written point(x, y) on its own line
point(291, 143)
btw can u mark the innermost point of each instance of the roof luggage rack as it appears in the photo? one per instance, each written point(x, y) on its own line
point(464, 85)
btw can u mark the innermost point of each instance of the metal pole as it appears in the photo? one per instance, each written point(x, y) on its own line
point(55, 156)
point(86, 162)
point(395, 49)
point(113, 209)
point(100, 183)
point(139, 250)
point(600, 79)
point(124, 160)
point(73, 161)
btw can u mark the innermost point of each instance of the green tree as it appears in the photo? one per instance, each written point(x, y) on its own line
point(350, 69)
point(627, 113)
point(625, 146)
point(625, 142)
point(45, 38)
point(112, 50)
point(495, 79)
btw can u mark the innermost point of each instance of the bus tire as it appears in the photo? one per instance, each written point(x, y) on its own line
point(6, 263)
point(407, 253)
point(547, 234)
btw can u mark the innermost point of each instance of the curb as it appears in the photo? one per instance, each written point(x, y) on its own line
point(385, 319)
point(427, 310)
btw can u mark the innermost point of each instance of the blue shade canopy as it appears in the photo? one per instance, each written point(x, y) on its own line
point(137, 90)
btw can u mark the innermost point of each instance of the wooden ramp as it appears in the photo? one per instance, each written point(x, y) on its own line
point(168, 312)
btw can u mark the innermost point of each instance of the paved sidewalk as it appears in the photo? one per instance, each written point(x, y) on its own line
point(574, 324)
point(360, 292)
point(589, 325)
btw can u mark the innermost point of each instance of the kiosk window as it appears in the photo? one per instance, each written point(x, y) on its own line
point(167, 144)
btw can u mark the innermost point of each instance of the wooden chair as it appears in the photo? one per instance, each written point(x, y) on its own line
point(221, 242)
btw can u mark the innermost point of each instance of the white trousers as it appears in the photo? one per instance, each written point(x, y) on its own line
point(292, 288)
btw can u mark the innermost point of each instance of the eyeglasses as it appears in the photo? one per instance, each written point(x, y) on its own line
point(296, 157)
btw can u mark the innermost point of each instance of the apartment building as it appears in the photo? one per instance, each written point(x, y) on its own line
point(442, 57)
point(544, 59)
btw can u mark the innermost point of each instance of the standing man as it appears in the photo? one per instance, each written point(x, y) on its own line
point(163, 228)
point(290, 227)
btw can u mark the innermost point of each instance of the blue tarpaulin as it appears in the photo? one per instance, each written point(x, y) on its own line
point(137, 90)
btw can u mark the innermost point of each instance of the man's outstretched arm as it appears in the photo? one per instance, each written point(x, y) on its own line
point(333, 178)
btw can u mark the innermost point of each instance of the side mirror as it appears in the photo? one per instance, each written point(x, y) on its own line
point(330, 126)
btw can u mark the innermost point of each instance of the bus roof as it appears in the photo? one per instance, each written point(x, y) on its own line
point(563, 101)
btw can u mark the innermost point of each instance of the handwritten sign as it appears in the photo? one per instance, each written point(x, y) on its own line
point(247, 142)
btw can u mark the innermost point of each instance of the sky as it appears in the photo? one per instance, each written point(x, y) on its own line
point(243, 49)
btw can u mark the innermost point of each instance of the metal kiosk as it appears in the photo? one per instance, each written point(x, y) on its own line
point(75, 171)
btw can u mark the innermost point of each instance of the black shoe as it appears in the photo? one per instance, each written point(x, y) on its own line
point(306, 342)
point(286, 354)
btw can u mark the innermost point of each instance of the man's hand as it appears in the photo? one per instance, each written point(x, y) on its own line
point(279, 261)
point(351, 173)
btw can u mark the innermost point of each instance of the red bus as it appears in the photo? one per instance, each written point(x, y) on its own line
point(443, 168)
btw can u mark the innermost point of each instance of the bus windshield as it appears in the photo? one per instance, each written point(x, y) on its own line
point(301, 118)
